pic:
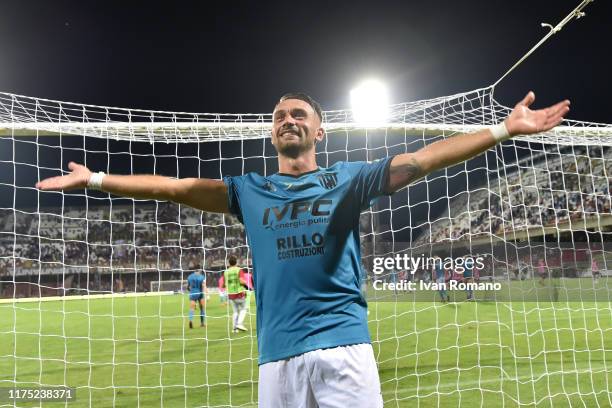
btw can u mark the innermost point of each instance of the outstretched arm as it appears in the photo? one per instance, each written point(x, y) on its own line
point(408, 167)
point(203, 194)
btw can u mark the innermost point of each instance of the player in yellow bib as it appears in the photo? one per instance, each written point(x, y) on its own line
point(236, 293)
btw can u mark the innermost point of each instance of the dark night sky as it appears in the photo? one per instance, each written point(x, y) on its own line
point(240, 56)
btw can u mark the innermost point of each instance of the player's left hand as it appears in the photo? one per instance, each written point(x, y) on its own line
point(524, 121)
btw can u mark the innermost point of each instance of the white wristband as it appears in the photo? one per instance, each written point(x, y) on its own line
point(95, 180)
point(500, 132)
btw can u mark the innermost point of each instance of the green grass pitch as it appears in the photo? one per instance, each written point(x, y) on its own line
point(138, 351)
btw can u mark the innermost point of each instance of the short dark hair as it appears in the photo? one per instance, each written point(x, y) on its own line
point(303, 97)
point(232, 260)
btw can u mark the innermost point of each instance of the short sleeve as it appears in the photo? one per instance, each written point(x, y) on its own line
point(370, 180)
point(234, 187)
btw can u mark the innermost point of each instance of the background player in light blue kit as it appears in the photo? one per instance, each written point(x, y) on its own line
point(439, 276)
point(303, 226)
point(196, 283)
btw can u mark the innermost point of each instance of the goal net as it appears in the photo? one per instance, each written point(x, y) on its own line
point(168, 285)
point(535, 210)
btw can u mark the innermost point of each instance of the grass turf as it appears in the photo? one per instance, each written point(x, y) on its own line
point(127, 352)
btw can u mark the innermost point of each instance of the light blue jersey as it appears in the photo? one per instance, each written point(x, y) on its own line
point(439, 271)
point(304, 236)
point(195, 281)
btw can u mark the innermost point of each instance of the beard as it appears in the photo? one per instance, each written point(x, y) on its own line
point(295, 147)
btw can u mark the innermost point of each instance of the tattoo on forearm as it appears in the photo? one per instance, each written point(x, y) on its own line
point(404, 174)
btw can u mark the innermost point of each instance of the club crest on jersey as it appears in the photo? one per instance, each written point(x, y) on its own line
point(328, 180)
point(269, 187)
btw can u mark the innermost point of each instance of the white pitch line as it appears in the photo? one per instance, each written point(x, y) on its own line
point(460, 384)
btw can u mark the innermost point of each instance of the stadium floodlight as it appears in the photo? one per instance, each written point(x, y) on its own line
point(370, 103)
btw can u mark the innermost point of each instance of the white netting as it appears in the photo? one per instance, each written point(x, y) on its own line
point(175, 285)
point(466, 112)
point(543, 340)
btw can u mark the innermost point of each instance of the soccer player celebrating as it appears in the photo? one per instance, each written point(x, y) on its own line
point(196, 283)
point(303, 227)
point(236, 293)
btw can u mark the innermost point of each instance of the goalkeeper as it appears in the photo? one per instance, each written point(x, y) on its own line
point(303, 228)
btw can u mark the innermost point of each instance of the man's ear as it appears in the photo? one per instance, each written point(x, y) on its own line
point(320, 135)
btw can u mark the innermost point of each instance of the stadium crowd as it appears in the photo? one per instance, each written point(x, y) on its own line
point(139, 244)
point(125, 247)
point(543, 190)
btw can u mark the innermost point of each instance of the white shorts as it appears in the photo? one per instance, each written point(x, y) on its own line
point(338, 377)
point(238, 304)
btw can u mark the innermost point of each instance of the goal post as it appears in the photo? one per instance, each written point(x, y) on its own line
point(177, 286)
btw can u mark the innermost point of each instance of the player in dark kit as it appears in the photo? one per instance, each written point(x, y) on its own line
point(439, 276)
point(468, 275)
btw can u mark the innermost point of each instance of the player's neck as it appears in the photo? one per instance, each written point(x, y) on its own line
point(297, 165)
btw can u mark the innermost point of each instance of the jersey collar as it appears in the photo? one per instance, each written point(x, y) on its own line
point(299, 175)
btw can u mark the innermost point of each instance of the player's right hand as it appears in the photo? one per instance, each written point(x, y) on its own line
point(76, 179)
point(524, 121)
